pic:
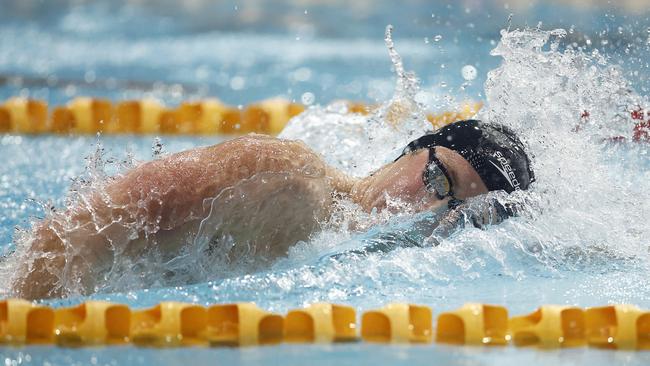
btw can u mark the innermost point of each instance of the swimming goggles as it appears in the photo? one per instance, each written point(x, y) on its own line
point(436, 177)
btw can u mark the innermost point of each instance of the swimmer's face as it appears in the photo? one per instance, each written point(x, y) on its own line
point(402, 182)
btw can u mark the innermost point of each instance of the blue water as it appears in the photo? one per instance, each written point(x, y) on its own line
point(241, 53)
point(124, 49)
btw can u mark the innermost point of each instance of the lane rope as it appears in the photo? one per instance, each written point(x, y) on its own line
point(85, 115)
point(177, 324)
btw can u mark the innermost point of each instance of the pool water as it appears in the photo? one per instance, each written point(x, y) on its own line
point(582, 242)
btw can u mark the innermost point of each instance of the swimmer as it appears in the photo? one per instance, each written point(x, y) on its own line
point(253, 197)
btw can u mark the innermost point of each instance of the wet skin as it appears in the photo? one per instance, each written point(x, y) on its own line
point(265, 193)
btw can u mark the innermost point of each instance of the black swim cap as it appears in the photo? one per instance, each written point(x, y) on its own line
point(493, 150)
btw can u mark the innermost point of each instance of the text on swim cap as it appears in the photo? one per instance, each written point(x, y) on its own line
point(506, 170)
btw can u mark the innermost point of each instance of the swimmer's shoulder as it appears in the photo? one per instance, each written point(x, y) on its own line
point(261, 142)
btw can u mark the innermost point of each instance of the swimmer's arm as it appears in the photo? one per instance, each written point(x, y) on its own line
point(183, 181)
point(164, 194)
point(41, 265)
point(33, 278)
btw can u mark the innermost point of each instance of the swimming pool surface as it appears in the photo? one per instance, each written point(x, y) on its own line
point(585, 244)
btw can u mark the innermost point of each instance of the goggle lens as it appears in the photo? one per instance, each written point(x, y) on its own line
point(437, 181)
point(436, 178)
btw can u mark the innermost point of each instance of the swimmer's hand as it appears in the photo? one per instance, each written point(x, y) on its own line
point(428, 231)
point(480, 212)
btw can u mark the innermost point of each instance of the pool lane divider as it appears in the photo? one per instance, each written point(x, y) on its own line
point(474, 324)
point(321, 323)
point(86, 115)
point(553, 326)
point(177, 324)
point(397, 323)
point(242, 324)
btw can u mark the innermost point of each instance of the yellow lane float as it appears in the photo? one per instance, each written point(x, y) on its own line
point(321, 323)
point(26, 115)
point(618, 327)
point(137, 116)
point(91, 115)
point(467, 110)
point(62, 120)
point(474, 324)
point(86, 115)
point(92, 323)
point(397, 323)
point(169, 324)
point(643, 331)
point(22, 322)
point(5, 120)
point(280, 111)
point(176, 324)
point(550, 326)
point(243, 324)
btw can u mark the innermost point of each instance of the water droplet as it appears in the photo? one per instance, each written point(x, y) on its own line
point(157, 148)
point(90, 76)
point(302, 74)
point(237, 83)
point(469, 72)
point(437, 38)
point(308, 98)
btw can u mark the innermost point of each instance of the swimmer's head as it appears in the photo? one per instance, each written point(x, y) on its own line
point(493, 150)
point(459, 161)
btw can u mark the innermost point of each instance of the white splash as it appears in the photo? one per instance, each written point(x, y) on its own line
point(360, 144)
